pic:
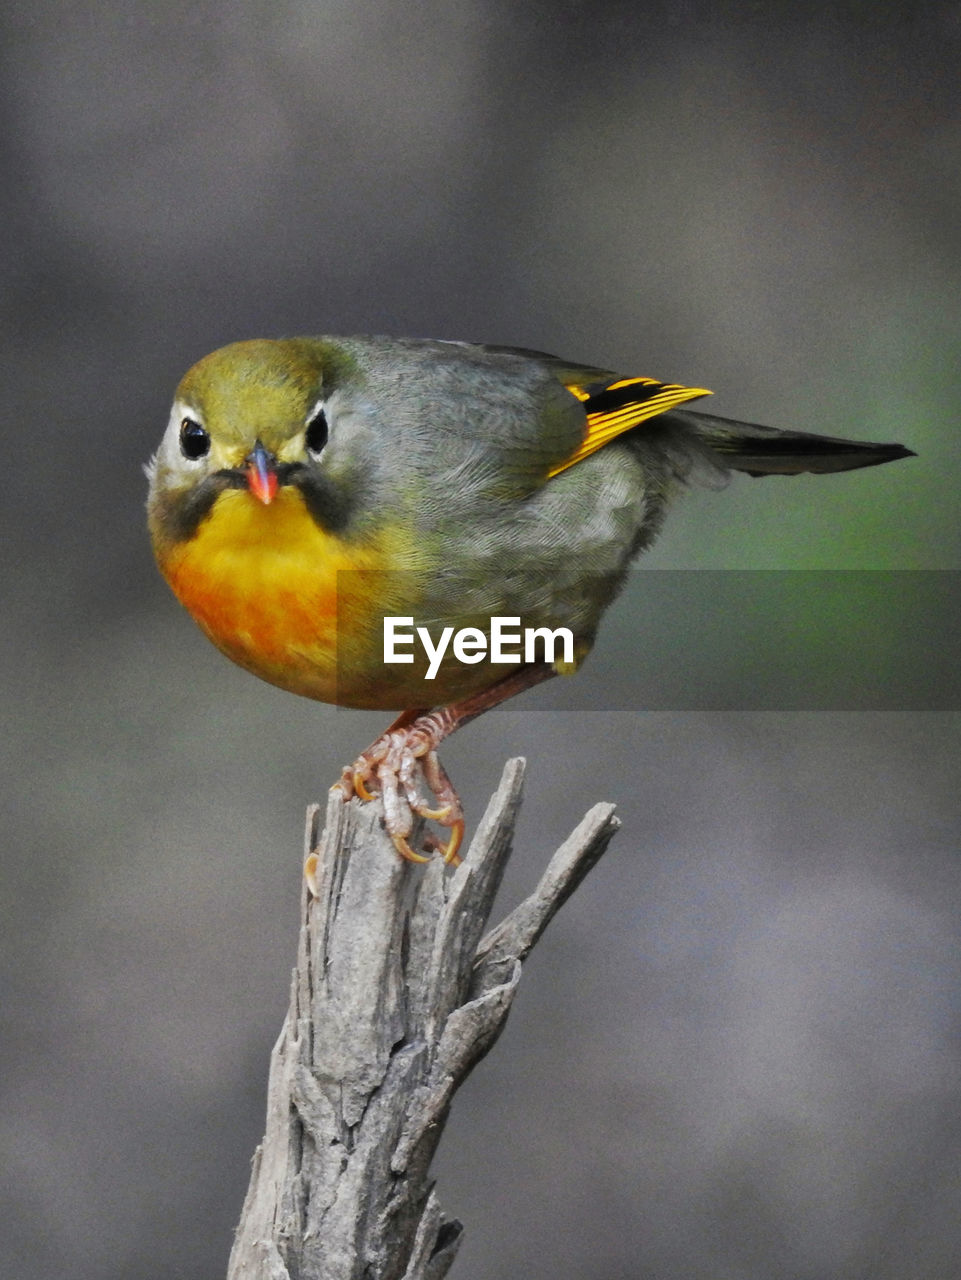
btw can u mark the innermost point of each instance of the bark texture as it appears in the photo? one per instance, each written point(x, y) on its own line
point(397, 994)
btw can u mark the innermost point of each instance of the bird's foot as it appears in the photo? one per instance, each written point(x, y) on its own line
point(389, 765)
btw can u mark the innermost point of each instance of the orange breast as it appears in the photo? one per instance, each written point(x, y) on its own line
point(262, 581)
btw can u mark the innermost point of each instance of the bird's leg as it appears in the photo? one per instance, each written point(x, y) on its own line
point(390, 763)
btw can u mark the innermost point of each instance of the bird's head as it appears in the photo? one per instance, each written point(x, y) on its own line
point(252, 417)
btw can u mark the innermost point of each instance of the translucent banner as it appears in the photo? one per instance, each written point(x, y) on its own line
point(751, 640)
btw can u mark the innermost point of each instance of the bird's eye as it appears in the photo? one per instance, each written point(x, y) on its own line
point(194, 441)
point(316, 435)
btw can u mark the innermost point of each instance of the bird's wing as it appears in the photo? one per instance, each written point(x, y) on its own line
point(612, 403)
point(615, 405)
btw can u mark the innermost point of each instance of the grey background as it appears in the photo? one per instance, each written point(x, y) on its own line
point(737, 1053)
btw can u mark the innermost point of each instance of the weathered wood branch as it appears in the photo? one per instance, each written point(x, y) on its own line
point(396, 996)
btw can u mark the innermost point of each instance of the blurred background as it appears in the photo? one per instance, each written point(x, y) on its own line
point(736, 1053)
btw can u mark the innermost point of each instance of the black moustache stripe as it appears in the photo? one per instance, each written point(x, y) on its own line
point(327, 504)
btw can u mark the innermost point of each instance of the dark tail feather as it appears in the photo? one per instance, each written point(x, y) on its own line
point(766, 451)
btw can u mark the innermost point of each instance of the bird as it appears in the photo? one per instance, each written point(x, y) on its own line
point(308, 489)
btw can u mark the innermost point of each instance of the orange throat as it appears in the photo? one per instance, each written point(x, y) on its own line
point(262, 583)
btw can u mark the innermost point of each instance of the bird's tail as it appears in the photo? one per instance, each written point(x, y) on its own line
point(766, 451)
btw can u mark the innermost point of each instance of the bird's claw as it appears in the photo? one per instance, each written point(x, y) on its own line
point(360, 788)
point(405, 851)
point(449, 850)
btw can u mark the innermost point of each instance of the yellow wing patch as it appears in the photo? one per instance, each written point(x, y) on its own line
point(614, 407)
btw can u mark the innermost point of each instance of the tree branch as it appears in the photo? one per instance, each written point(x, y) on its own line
point(396, 996)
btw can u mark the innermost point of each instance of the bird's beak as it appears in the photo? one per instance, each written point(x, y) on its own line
point(261, 473)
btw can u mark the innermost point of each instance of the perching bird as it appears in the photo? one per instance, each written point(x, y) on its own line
point(308, 488)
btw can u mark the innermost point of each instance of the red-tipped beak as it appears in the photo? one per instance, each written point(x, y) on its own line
point(261, 473)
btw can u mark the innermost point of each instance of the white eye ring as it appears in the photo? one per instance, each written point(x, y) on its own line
point(187, 436)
